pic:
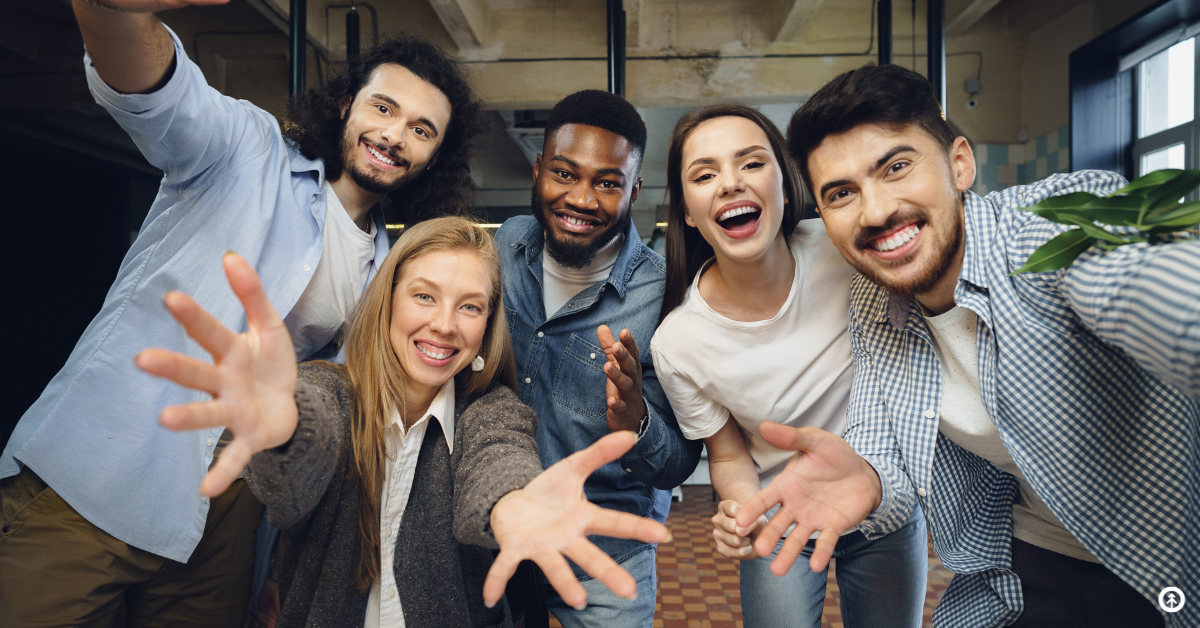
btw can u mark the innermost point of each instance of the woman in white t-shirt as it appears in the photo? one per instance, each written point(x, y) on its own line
point(754, 329)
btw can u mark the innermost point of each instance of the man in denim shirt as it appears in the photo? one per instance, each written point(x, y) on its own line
point(572, 271)
point(101, 502)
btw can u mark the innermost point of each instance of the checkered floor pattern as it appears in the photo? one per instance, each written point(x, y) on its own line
point(697, 588)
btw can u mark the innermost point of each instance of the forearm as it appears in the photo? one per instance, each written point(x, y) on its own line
point(733, 478)
point(131, 51)
point(663, 457)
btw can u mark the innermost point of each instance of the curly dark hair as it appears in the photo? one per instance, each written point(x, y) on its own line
point(315, 123)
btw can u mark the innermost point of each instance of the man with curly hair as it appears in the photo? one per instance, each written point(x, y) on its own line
point(100, 508)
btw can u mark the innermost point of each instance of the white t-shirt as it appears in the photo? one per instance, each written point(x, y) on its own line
point(347, 254)
point(794, 368)
point(560, 284)
point(965, 420)
point(403, 449)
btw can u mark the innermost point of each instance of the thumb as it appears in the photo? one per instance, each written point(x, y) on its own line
point(791, 438)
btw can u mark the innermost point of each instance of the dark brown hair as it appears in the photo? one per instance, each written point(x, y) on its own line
point(887, 95)
point(687, 250)
point(315, 123)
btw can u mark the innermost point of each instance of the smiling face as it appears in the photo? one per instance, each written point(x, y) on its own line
point(393, 128)
point(583, 187)
point(439, 316)
point(733, 187)
point(892, 204)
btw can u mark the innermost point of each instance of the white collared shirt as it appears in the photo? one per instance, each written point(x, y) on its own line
point(383, 604)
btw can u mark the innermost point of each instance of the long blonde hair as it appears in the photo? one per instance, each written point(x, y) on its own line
point(378, 380)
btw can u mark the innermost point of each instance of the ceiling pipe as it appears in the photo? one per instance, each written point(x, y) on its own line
point(935, 25)
point(298, 47)
point(616, 47)
point(885, 32)
point(352, 41)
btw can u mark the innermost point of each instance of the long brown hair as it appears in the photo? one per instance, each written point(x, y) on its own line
point(378, 380)
point(687, 250)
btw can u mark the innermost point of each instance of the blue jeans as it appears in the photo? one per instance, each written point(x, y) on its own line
point(882, 583)
point(604, 608)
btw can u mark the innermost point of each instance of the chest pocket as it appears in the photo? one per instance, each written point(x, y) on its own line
point(579, 384)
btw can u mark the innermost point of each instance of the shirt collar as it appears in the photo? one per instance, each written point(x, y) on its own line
point(618, 276)
point(441, 409)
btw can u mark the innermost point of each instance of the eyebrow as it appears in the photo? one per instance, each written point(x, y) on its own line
point(881, 162)
point(434, 284)
point(707, 161)
point(600, 172)
point(426, 121)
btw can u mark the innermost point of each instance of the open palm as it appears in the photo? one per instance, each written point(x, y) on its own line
point(252, 378)
point(551, 518)
point(825, 488)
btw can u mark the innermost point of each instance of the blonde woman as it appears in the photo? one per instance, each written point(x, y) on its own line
point(393, 475)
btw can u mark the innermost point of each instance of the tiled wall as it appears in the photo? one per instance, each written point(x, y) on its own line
point(1004, 165)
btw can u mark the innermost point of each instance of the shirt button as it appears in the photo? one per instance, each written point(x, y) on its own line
point(527, 380)
point(593, 356)
point(628, 470)
point(929, 414)
point(307, 268)
point(541, 334)
point(391, 593)
point(204, 500)
point(922, 492)
point(210, 442)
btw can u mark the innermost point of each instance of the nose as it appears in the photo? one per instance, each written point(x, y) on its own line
point(442, 320)
point(876, 208)
point(582, 196)
point(730, 182)
point(393, 134)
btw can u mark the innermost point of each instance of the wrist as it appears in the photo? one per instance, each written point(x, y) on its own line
point(498, 507)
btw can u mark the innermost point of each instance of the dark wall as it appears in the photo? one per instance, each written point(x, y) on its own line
point(68, 219)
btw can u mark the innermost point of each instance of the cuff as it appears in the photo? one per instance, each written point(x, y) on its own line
point(873, 526)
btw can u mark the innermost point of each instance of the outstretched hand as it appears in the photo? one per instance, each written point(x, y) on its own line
point(252, 378)
point(551, 518)
point(825, 488)
point(623, 390)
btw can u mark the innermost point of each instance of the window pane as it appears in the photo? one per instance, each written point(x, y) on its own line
point(1169, 157)
point(1167, 82)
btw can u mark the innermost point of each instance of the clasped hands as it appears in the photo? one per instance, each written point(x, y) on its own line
point(826, 488)
point(252, 381)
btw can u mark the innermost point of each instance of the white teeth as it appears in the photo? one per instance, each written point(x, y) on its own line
point(380, 156)
point(436, 356)
point(737, 211)
point(571, 220)
point(897, 240)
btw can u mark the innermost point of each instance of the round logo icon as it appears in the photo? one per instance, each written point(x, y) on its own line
point(1171, 599)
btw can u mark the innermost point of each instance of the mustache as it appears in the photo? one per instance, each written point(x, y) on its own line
point(383, 148)
point(901, 217)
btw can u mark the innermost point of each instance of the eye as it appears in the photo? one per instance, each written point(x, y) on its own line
point(474, 308)
point(382, 109)
point(423, 297)
point(563, 174)
point(421, 131)
point(897, 167)
point(608, 185)
point(755, 164)
point(838, 196)
point(702, 178)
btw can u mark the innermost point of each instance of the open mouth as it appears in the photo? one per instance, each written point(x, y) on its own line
point(575, 223)
point(381, 158)
point(741, 220)
point(437, 355)
point(898, 242)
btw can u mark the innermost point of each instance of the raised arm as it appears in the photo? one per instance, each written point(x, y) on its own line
point(129, 46)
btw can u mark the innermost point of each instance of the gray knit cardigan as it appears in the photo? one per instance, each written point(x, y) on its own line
point(442, 549)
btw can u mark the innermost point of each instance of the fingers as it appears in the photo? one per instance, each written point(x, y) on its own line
point(498, 576)
point(603, 568)
point(249, 290)
point(791, 549)
point(201, 326)
point(619, 378)
point(823, 550)
point(560, 576)
point(181, 369)
point(757, 506)
point(791, 438)
point(629, 345)
point(584, 462)
point(771, 532)
point(194, 416)
point(623, 525)
point(233, 459)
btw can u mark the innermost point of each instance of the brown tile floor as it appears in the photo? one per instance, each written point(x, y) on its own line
point(697, 588)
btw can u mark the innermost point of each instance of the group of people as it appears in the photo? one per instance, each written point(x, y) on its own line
point(417, 420)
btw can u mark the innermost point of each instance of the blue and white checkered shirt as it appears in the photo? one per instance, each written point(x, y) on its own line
point(1089, 374)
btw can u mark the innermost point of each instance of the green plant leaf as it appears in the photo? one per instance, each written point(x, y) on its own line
point(1169, 193)
point(1145, 185)
point(1117, 211)
point(1058, 253)
point(1094, 230)
point(1182, 215)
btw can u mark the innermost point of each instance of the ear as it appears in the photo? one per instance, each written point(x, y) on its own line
point(344, 105)
point(537, 167)
point(962, 164)
point(687, 218)
point(637, 188)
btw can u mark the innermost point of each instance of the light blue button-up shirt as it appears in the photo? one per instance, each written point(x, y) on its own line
point(231, 183)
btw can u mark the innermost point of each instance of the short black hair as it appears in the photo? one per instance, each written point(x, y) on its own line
point(600, 109)
point(314, 121)
point(887, 95)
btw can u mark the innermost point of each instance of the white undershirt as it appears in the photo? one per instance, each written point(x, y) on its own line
point(347, 254)
point(794, 368)
point(383, 603)
point(560, 284)
point(965, 420)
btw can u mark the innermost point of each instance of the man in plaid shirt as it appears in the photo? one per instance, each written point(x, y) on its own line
point(1045, 422)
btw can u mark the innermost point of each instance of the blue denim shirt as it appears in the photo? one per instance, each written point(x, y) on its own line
point(559, 373)
point(231, 182)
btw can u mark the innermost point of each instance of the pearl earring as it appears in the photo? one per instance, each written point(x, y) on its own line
point(477, 363)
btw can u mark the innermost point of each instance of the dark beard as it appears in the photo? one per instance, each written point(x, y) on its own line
point(572, 254)
point(943, 256)
point(364, 179)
